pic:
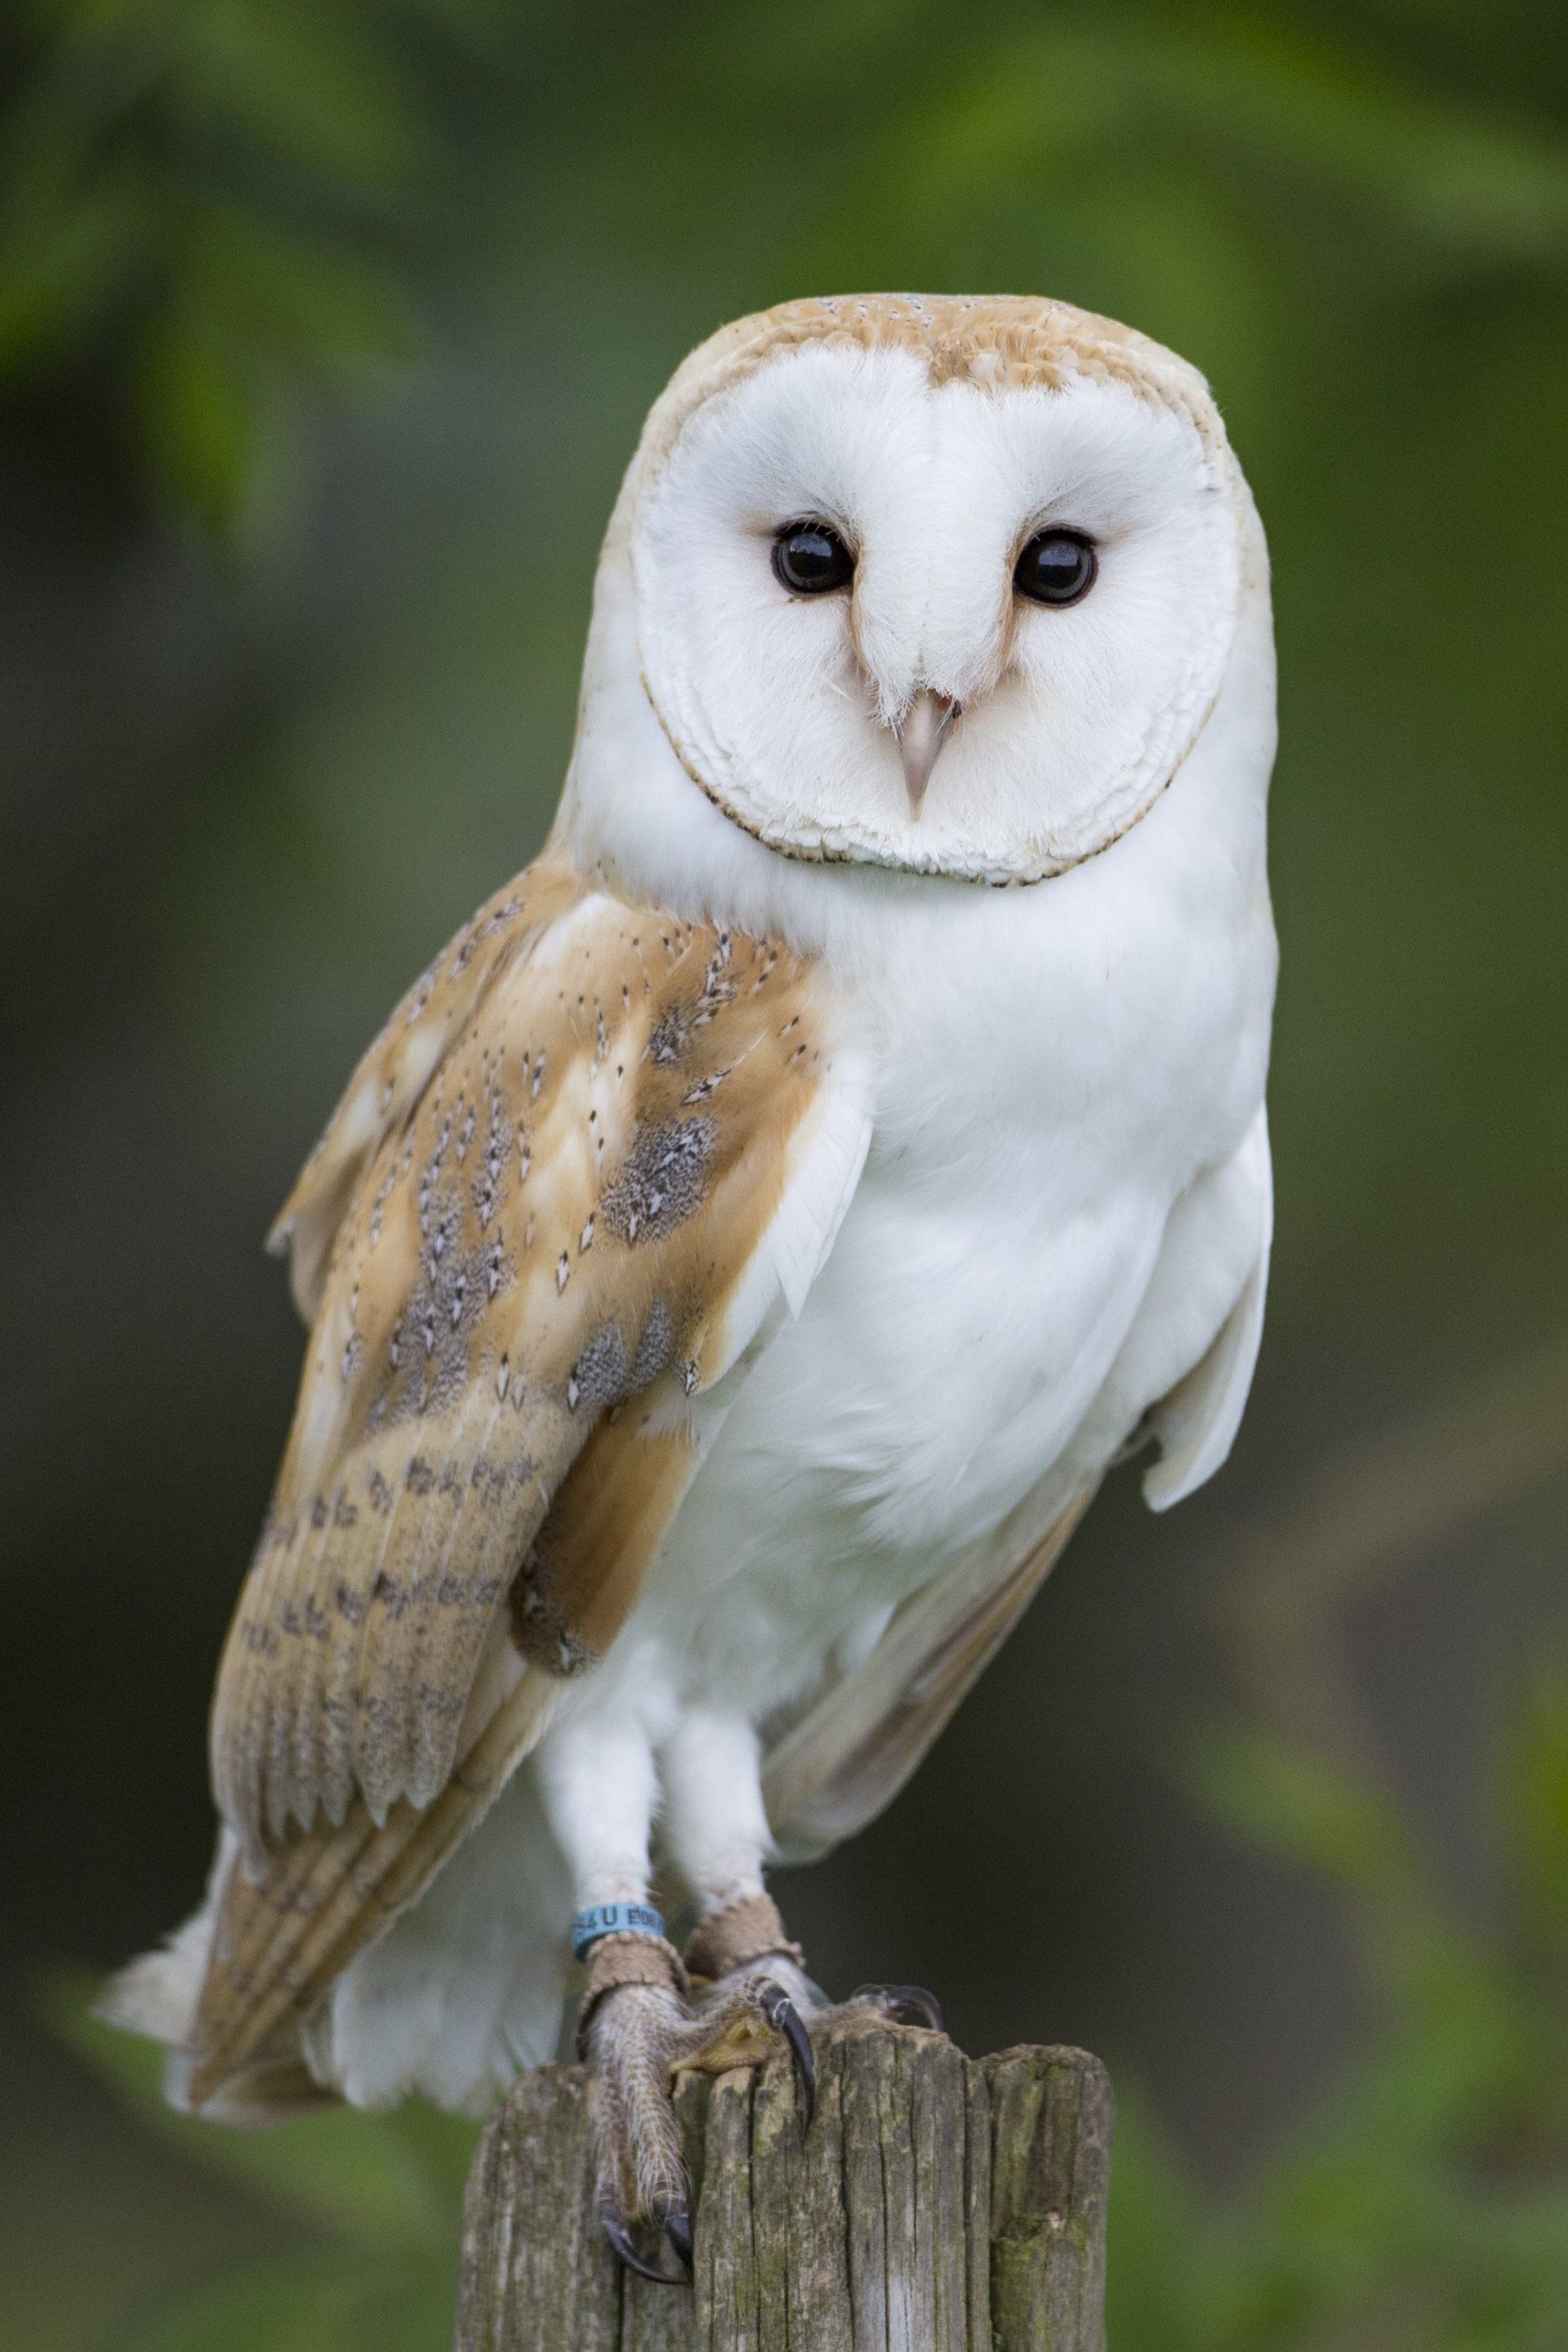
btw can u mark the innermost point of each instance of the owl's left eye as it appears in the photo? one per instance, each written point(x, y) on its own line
point(1056, 567)
point(810, 559)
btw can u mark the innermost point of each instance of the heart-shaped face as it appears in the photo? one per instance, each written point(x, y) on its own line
point(949, 596)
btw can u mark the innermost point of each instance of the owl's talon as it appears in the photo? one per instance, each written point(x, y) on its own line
point(677, 2230)
point(785, 2018)
point(911, 2003)
point(624, 2247)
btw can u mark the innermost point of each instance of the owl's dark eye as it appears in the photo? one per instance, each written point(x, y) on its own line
point(1056, 567)
point(810, 559)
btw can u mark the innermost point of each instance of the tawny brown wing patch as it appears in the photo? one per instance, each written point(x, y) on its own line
point(539, 1257)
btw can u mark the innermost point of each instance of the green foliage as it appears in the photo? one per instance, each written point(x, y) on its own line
point(377, 2200)
point(1424, 2208)
point(203, 197)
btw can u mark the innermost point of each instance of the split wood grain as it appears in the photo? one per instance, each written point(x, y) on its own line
point(939, 2203)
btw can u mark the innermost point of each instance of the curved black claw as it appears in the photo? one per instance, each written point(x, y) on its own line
point(677, 2230)
point(785, 2018)
point(625, 2251)
point(911, 2003)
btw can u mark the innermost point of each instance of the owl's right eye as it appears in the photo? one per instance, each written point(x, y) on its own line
point(810, 559)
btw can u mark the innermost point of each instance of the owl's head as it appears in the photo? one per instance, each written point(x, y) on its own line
point(943, 585)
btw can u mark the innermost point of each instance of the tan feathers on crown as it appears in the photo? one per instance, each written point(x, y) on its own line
point(996, 342)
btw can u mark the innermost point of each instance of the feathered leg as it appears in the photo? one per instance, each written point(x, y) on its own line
point(717, 1831)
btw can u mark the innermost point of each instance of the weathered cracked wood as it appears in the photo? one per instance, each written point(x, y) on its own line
point(939, 2203)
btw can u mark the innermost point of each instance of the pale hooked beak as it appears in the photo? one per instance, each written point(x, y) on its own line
point(921, 732)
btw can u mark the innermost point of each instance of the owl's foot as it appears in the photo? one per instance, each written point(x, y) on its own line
point(749, 1934)
point(639, 2030)
point(642, 2025)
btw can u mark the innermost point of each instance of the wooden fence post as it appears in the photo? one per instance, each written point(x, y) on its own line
point(939, 2203)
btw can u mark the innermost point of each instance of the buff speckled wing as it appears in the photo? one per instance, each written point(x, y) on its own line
point(579, 1166)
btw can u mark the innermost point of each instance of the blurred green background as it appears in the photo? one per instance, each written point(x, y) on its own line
point(325, 332)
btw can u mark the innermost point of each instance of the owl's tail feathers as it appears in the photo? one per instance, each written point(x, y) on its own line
point(157, 1996)
point(462, 1992)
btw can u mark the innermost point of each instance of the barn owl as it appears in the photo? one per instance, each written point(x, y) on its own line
point(738, 1260)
